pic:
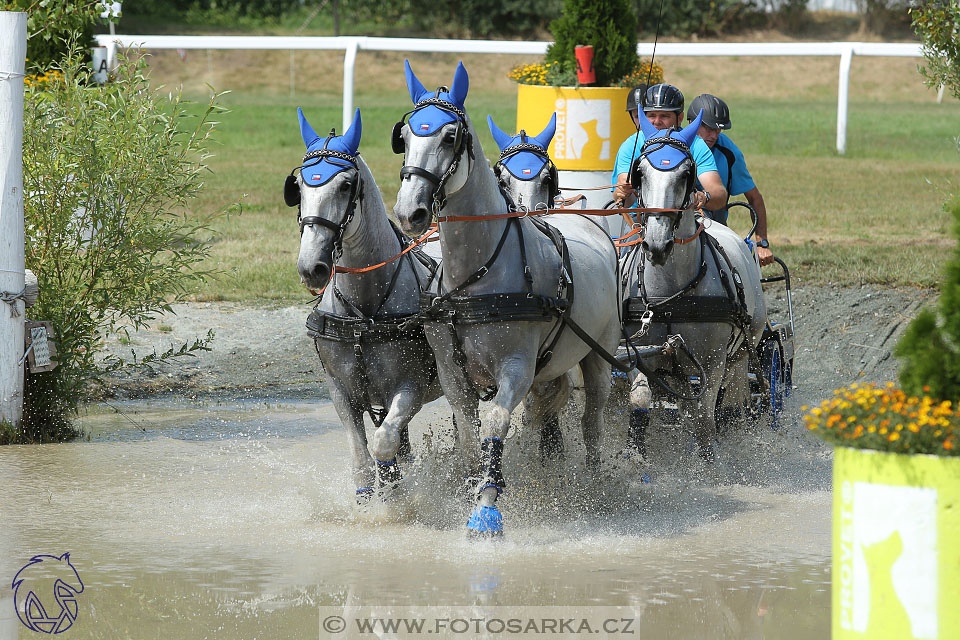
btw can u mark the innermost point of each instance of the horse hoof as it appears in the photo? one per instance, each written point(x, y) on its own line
point(485, 522)
point(364, 496)
point(389, 473)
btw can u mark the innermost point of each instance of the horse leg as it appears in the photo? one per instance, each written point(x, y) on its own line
point(702, 415)
point(364, 475)
point(640, 400)
point(388, 437)
point(596, 387)
point(514, 381)
point(546, 401)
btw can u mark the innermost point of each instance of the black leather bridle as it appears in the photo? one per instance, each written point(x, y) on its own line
point(291, 192)
point(536, 149)
point(650, 146)
point(463, 141)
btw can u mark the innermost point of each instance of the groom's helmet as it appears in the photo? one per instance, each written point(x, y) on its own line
point(664, 97)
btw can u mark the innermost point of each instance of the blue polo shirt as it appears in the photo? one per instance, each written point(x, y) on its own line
point(737, 180)
point(629, 150)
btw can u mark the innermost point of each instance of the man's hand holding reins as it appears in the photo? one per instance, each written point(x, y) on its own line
point(623, 191)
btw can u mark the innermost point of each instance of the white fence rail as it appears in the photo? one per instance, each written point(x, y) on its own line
point(351, 44)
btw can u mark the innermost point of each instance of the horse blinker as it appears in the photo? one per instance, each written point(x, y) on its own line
point(291, 191)
point(396, 140)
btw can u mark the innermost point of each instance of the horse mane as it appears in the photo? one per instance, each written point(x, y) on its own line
point(483, 174)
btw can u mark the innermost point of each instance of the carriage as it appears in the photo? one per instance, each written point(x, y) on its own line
point(500, 315)
point(770, 373)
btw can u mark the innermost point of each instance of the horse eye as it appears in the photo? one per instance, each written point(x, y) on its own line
point(345, 186)
point(449, 137)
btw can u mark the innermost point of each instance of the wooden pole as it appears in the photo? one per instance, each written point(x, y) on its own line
point(13, 52)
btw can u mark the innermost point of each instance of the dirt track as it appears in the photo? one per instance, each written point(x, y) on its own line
point(842, 334)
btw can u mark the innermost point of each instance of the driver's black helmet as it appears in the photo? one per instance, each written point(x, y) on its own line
point(663, 97)
point(716, 115)
point(635, 97)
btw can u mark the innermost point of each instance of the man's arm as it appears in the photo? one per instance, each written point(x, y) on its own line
point(755, 199)
point(623, 191)
point(710, 181)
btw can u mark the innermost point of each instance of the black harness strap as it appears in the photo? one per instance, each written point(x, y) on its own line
point(376, 328)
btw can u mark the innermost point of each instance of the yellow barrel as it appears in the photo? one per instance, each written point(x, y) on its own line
point(592, 123)
point(896, 545)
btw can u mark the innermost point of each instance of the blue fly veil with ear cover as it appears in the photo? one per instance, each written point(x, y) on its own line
point(666, 150)
point(526, 157)
point(326, 157)
point(433, 110)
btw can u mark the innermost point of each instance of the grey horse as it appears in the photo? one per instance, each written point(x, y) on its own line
point(699, 281)
point(496, 323)
point(373, 364)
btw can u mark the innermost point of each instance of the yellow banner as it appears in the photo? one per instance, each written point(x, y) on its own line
point(592, 123)
point(896, 546)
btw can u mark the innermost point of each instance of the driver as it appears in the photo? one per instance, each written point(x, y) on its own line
point(731, 166)
point(663, 107)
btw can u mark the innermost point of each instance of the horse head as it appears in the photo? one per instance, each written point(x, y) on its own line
point(664, 176)
point(525, 171)
point(326, 188)
point(433, 142)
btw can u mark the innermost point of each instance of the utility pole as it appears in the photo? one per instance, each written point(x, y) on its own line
point(13, 53)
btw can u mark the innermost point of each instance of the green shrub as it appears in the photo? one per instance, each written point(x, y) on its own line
point(52, 23)
point(108, 172)
point(610, 26)
point(937, 23)
point(930, 348)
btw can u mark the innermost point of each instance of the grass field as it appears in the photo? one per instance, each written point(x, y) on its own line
point(874, 215)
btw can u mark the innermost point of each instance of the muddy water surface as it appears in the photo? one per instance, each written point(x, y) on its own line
point(236, 520)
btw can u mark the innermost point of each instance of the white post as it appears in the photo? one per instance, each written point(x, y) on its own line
point(13, 53)
point(843, 93)
point(349, 59)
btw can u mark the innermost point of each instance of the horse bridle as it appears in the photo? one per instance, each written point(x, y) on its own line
point(650, 146)
point(291, 192)
point(537, 150)
point(463, 140)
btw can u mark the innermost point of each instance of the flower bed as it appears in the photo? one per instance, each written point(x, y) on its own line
point(867, 416)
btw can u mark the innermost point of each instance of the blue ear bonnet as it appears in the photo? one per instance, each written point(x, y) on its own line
point(316, 173)
point(524, 165)
point(320, 170)
point(427, 120)
point(666, 157)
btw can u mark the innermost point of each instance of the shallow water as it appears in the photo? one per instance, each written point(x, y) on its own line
point(236, 520)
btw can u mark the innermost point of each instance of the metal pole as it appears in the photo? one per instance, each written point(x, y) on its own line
point(349, 58)
point(843, 93)
point(13, 53)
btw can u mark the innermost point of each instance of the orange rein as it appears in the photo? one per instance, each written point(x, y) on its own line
point(618, 242)
point(424, 238)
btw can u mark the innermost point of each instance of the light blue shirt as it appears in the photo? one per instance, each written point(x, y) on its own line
point(629, 150)
point(739, 181)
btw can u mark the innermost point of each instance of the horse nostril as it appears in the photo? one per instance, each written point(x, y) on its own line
point(419, 217)
point(320, 272)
